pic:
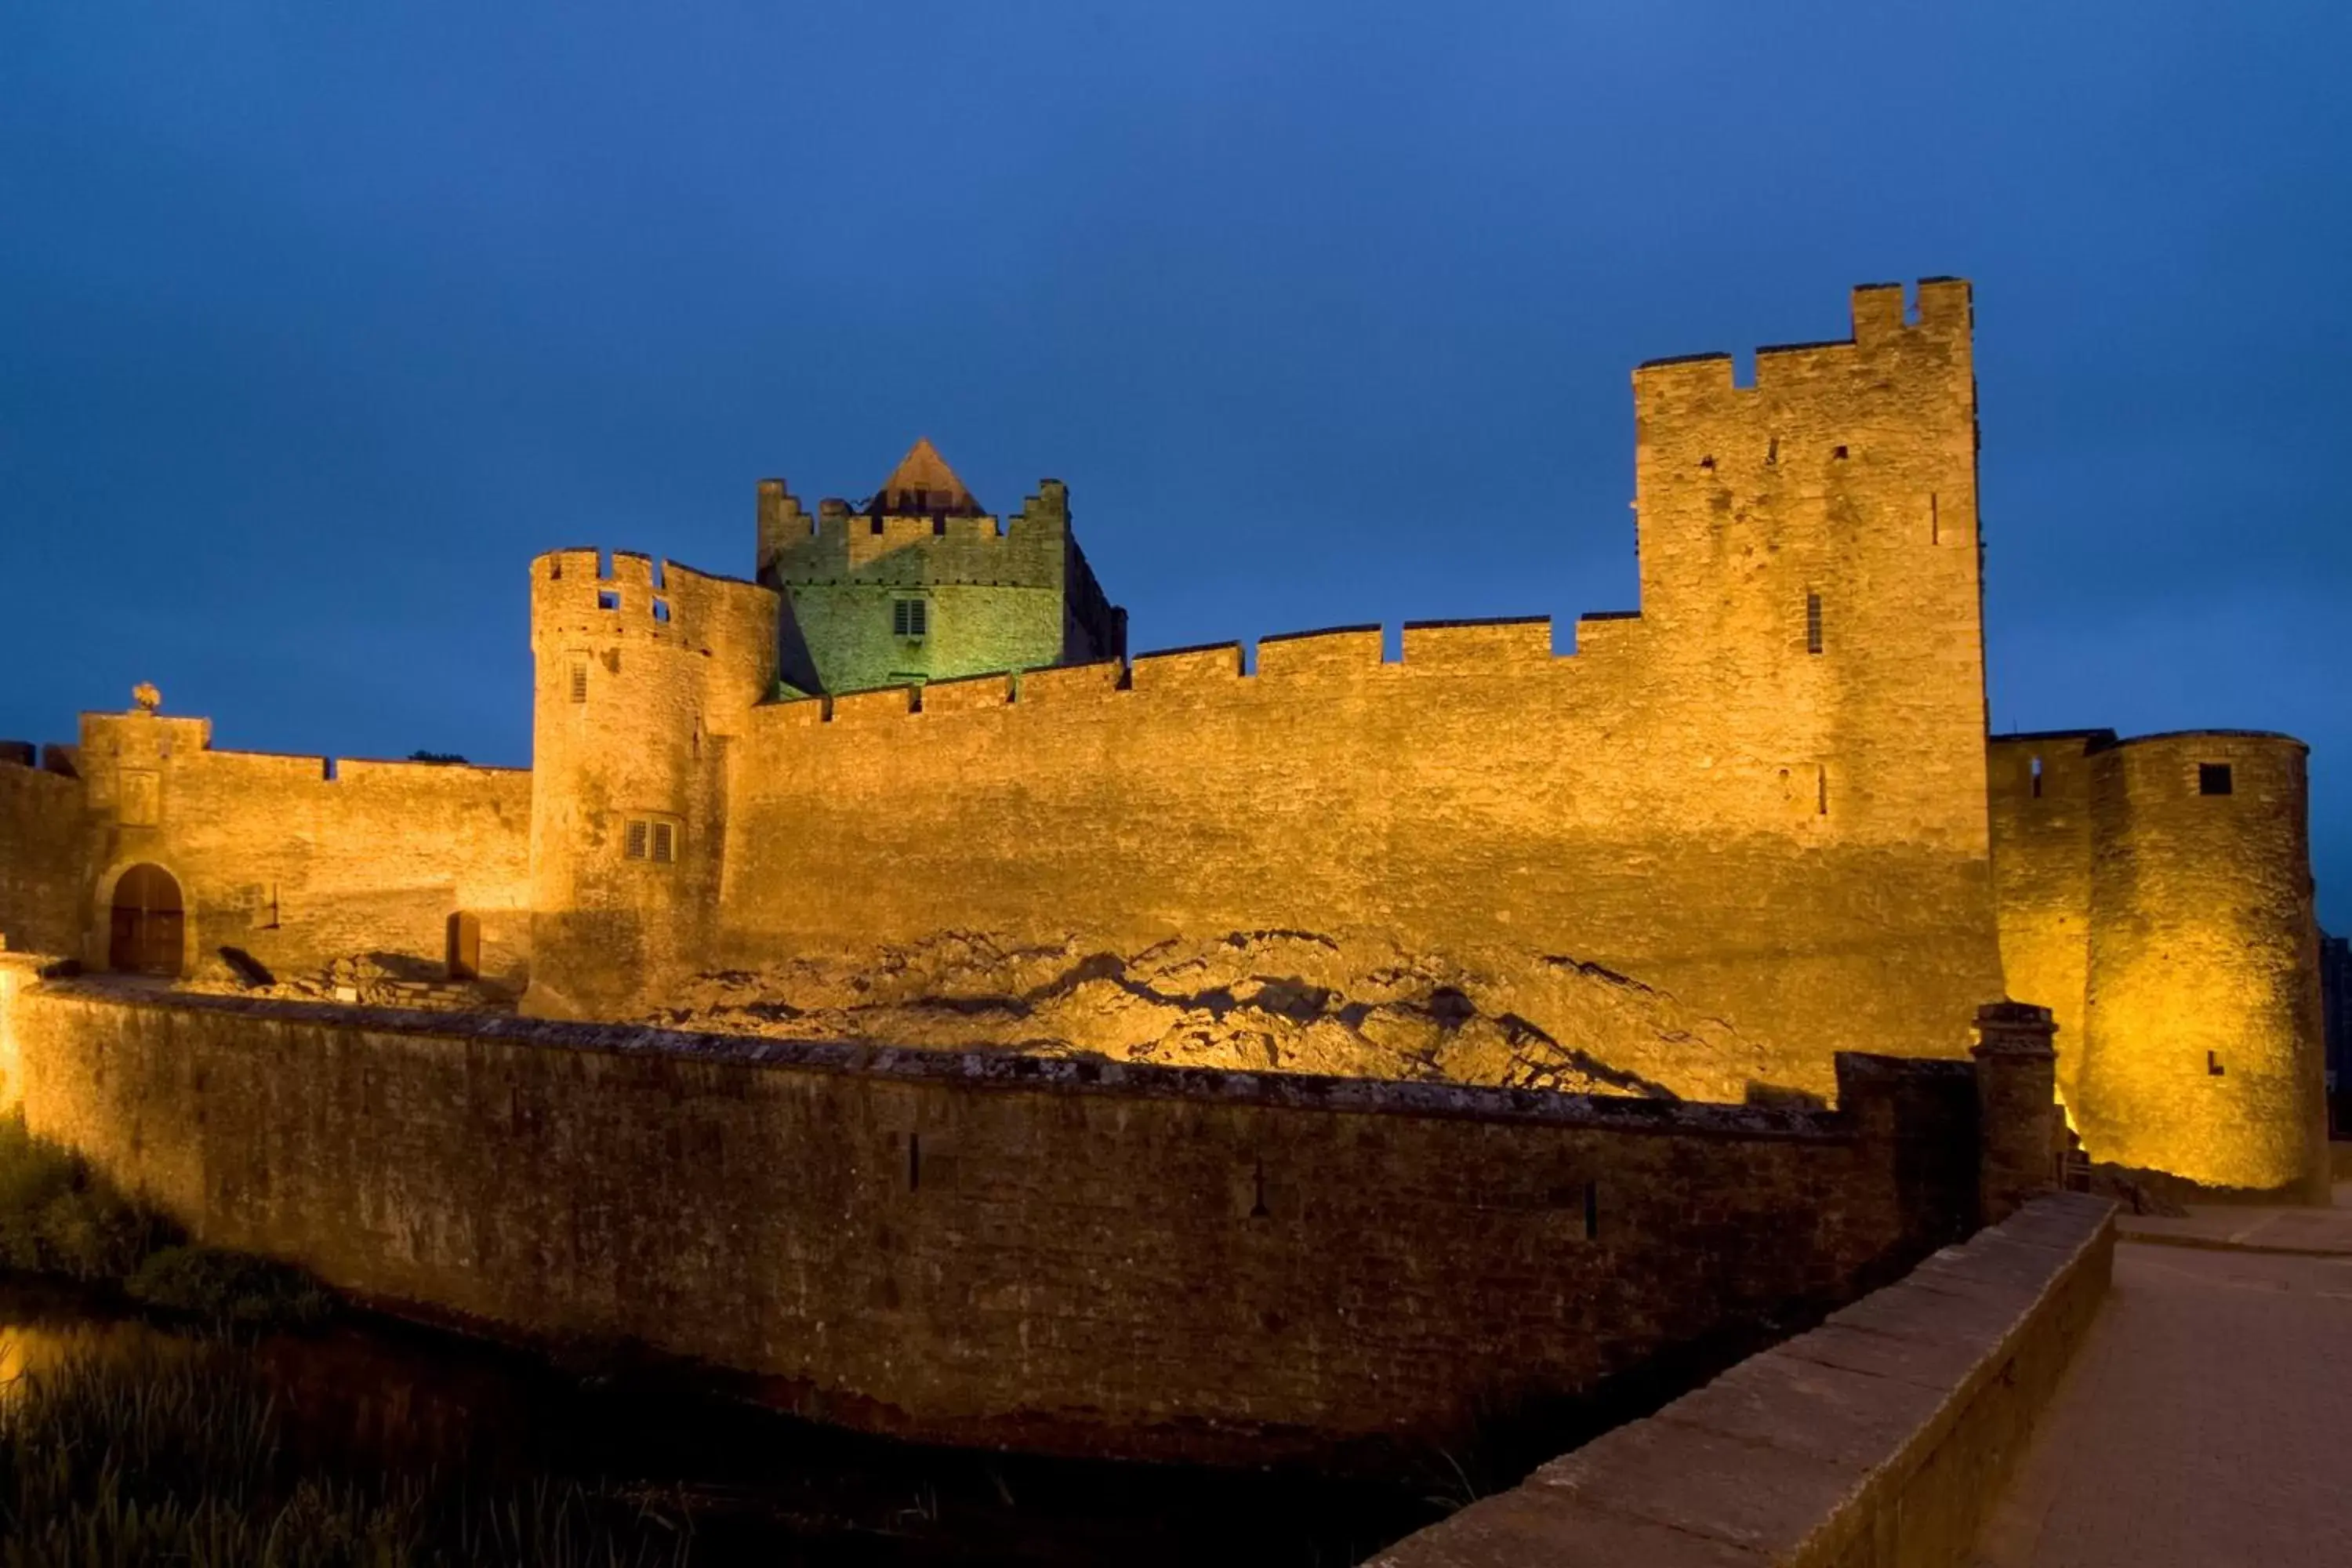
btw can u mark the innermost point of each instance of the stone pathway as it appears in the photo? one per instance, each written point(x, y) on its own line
point(2204, 1420)
point(2252, 1229)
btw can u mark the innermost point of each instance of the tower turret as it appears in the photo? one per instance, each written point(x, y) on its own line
point(2201, 1053)
point(644, 671)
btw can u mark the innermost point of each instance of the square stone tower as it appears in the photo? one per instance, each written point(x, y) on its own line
point(922, 584)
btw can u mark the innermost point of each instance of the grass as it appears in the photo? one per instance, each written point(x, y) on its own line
point(175, 1451)
point(119, 1458)
point(61, 1218)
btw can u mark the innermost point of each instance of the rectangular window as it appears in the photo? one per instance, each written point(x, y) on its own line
point(579, 680)
point(2213, 778)
point(665, 843)
point(1813, 623)
point(633, 840)
point(909, 618)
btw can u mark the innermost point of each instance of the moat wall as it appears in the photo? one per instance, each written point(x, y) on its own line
point(996, 1249)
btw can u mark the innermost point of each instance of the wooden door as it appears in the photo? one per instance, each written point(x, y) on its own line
point(147, 925)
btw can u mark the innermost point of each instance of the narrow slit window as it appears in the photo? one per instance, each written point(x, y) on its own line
point(2037, 778)
point(2213, 1067)
point(913, 1162)
point(1934, 520)
point(1772, 451)
point(1813, 623)
point(1821, 790)
point(1591, 1211)
point(633, 842)
point(2213, 778)
point(579, 680)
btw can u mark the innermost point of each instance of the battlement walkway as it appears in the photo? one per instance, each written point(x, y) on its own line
point(2202, 1420)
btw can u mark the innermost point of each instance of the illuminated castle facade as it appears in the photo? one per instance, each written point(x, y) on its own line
point(1694, 848)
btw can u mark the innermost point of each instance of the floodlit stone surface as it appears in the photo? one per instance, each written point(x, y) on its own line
point(1696, 849)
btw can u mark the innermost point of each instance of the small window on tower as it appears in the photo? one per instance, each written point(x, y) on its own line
point(579, 679)
point(633, 842)
point(665, 843)
point(1813, 623)
point(2037, 778)
point(910, 618)
point(2213, 778)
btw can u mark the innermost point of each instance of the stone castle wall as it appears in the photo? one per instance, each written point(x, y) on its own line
point(44, 838)
point(1481, 800)
point(996, 1249)
point(295, 860)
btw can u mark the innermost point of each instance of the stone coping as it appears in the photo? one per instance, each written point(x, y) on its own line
point(1880, 1439)
point(1011, 1069)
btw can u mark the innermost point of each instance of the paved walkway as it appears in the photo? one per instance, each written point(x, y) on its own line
point(2206, 1420)
point(2253, 1229)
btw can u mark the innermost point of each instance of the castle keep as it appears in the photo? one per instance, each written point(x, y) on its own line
point(905, 784)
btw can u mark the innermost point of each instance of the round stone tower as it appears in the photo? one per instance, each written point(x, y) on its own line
point(2201, 1053)
point(644, 669)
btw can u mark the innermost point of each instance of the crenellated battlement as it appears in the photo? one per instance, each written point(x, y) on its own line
point(590, 594)
point(838, 545)
point(1882, 320)
point(1308, 663)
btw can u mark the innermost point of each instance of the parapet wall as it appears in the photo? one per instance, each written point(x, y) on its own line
point(999, 1248)
point(1881, 1438)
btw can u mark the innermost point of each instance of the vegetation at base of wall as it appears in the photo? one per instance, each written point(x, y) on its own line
point(60, 1217)
point(229, 1287)
point(188, 1459)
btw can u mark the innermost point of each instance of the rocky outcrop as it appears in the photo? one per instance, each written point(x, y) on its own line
point(1288, 1001)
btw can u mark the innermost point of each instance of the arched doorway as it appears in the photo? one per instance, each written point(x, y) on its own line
point(148, 923)
point(465, 953)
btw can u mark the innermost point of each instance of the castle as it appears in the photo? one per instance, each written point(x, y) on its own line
point(1697, 851)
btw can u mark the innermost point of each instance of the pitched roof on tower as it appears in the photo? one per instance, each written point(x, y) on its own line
point(923, 485)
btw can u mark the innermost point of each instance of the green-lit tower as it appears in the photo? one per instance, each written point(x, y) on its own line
point(922, 584)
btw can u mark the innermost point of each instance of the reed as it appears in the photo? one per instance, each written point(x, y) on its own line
point(149, 1455)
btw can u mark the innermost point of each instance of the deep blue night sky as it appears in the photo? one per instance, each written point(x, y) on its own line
point(317, 322)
